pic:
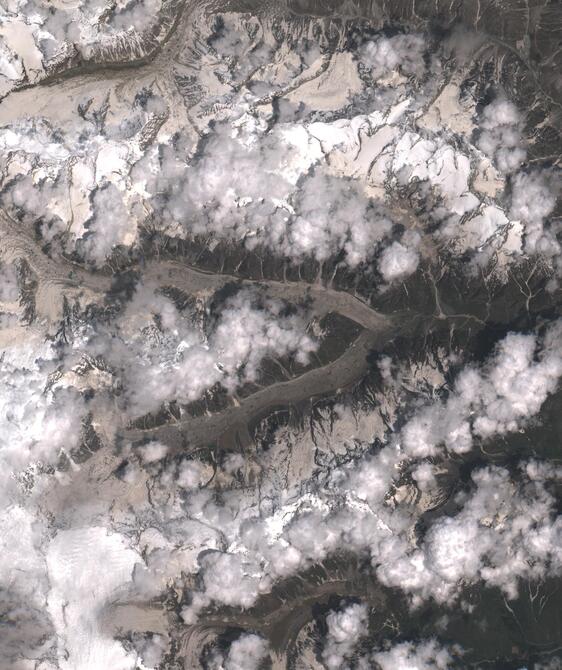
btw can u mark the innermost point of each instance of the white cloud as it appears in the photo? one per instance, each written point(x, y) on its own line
point(533, 198)
point(246, 653)
point(274, 198)
point(398, 262)
point(496, 399)
point(110, 224)
point(502, 517)
point(152, 651)
point(506, 530)
point(162, 356)
point(229, 579)
point(501, 125)
point(424, 476)
point(152, 452)
point(331, 215)
point(425, 655)
point(136, 14)
point(345, 629)
point(302, 190)
point(37, 421)
point(384, 55)
point(190, 474)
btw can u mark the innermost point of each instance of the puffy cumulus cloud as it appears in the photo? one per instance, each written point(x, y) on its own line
point(345, 628)
point(191, 474)
point(226, 578)
point(152, 649)
point(533, 198)
point(109, 226)
point(506, 530)
point(250, 328)
point(152, 452)
point(135, 15)
point(296, 535)
point(31, 202)
point(354, 506)
point(403, 53)
point(372, 477)
point(248, 652)
point(424, 476)
point(174, 361)
point(398, 261)
point(285, 196)
point(71, 182)
point(540, 470)
point(332, 215)
point(495, 399)
point(259, 203)
point(321, 215)
point(205, 196)
point(424, 655)
point(255, 557)
point(500, 139)
point(301, 189)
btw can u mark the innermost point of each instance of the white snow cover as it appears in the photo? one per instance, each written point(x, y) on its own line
point(24, 622)
point(437, 162)
point(37, 421)
point(506, 530)
point(76, 560)
point(51, 29)
point(301, 189)
point(258, 203)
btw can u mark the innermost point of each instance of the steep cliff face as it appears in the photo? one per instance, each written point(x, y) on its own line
point(280, 333)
